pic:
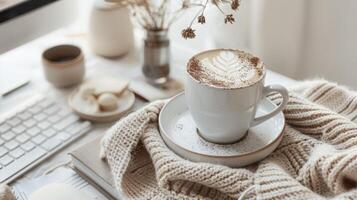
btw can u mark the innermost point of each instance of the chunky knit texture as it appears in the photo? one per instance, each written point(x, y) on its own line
point(5, 193)
point(317, 158)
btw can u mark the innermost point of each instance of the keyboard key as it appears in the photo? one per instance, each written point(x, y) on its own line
point(17, 153)
point(3, 151)
point(51, 110)
point(35, 109)
point(29, 123)
point(33, 131)
point(4, 128)
point(14, 121)
point(63, 136)
point(19, 164)
point(24, 115)
point(1, 141)
point(45, 103)
point(6, 160)
point(8, 136)
point(51, 144)
point(64, 112)
point(78, 127)
point(66, 122)
point(49, 132)
point(19, 129)
point(28, 146)
point(44, 125)
point(54, 118)
point(40, 117)
point(38, 139)
point(11, 145)
point(74, 128)
point(22, 138)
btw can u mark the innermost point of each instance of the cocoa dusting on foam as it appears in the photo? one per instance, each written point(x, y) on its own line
point(227, 69)
point(195, 69)
point(255, 61)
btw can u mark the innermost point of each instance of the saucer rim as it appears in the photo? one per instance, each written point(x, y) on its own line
point(265, 147)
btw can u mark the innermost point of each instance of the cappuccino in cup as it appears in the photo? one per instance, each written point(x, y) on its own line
point(223, 90)
point(226, 69)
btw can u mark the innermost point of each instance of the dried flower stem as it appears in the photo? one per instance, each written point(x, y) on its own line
point(178, 13)
point(150, 13)
point(157, 17)
point(205, 6)
point(194, 19)
point(162, 11)
point(219, 8)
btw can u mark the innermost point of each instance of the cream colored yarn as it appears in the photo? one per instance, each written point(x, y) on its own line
point(317, 158)
point(5, 193)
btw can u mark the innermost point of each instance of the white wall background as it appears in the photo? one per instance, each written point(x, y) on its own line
point(299, 38)
point(330, 41)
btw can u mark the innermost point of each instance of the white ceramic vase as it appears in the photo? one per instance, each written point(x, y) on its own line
point(110, 29)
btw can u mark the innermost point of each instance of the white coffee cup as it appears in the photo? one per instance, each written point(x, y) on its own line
point(224, 115)
point(63, 65)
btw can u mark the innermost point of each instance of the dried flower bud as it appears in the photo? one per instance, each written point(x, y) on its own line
point(201, 19)
point(215, 2)
point(229, 18)
point(188, 33)
point(185, 4)
point(235, 4)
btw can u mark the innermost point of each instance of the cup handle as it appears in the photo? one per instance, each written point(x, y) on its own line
point(269, 89)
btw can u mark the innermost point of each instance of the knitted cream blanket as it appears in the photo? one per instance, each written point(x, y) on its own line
point(317, 158)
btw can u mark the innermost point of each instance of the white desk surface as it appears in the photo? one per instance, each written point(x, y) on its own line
point(29, 56)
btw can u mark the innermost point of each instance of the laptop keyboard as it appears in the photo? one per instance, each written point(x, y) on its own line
point(35, 132)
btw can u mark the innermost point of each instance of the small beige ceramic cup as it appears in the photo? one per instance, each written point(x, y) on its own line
point(63, 65)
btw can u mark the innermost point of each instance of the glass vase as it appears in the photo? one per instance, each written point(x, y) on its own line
point(156, 59)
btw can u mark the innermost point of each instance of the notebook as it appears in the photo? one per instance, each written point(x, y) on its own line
point(87, 163)
point(23, 189)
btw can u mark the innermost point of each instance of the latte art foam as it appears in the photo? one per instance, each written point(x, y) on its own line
point(225, 68)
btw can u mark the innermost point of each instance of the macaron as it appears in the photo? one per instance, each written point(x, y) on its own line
point(85, 100)
point(108, 101)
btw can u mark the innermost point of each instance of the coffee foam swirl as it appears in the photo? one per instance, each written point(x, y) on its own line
point(226, 68)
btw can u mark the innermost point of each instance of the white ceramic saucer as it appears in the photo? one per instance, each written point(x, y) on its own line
point(125, 102)
point(179, 132)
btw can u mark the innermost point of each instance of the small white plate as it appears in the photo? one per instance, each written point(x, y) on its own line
point(125, 102)
point(179, 132)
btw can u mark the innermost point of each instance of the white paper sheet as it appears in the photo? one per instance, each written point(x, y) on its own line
point(23, 190)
